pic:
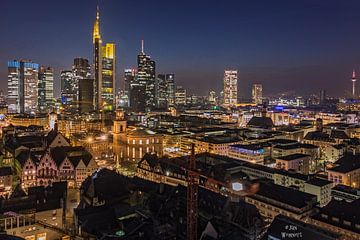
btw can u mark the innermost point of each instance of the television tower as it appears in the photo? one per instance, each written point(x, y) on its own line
point(353, 79)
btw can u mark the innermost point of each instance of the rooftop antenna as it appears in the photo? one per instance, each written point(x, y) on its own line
point(142, 46)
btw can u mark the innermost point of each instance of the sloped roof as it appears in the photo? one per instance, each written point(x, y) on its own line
point(23, 156)
point(261, 122)
point(74, 154)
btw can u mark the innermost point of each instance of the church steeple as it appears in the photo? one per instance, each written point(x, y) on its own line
point(96, 31)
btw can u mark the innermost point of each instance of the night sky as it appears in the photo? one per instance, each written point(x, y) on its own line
point(300, 46)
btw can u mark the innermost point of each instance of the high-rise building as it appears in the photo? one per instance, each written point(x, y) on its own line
point(322, 96)
point(46, 89)
point(86, 95)
point(13, 86)
point(130, 86)
point(108, 76)
point(170, 89)
point(69, 90)
point(104, 69)
point(165, 93)
point(81, 68)
point(257, 93)
point(23, 86)
point(82, 75)
point(212, 97)
point(230, 87)
point(180, 96)
point(146, 77)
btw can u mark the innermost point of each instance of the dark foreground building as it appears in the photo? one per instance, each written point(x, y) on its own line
point(113, 205)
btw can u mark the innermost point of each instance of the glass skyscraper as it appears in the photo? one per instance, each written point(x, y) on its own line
point(23, 86)
point(146, 78)
point(104, 70)
point(46, 89)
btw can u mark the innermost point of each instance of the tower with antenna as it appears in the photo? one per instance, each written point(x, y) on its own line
point(353, 80)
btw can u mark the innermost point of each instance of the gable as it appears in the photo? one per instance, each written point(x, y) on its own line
point(47, 161)
point(59, 141)
point(66, 165)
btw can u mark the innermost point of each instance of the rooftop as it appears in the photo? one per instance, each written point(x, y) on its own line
point(293, 156)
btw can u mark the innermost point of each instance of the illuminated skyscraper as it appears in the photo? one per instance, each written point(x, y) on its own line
point(23, 86)
point(165, 93)
point(108, 76)
point(81, 68)
point(257, 93)
point(180, 96)
point(146, 78)
point(212, 97)
point(69, 90)
point(46, 89)
point(230, 87)
point(104, 69)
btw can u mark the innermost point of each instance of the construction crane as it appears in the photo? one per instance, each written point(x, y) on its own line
point(192, 197)
point(237, 189)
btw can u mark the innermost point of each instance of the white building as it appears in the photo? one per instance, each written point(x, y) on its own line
point(230, 87)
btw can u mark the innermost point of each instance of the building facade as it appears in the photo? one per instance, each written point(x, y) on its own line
point(23, 78)
point(230, 87)
point(257, 93)
point(46, 89)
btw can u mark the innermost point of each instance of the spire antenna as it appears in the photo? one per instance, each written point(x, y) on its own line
point(142, 46)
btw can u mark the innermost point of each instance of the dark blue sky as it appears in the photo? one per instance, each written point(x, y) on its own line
point(285, 45)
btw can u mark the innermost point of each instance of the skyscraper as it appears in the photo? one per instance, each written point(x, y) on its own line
point(257, 93)
point(230, 87)
point(23, 86)
point(104, 69)
point(81, 68)
point(46, 89)
point(69, 90)
point(130, 83)
point(82, 76)
point(212, 97)
point(108, 76)
point(146, 78)
point(165, 93)
point(86, 95)
point(180, 96)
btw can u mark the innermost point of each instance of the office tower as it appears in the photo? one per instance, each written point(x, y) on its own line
point(46, 89)
point(230, 87)
point(180, 96)
point(257, 93)
point(146, 77)
point(81, 68)
point(212, 97)
point(129, 81)
point(170, 89)
point(161, 91)
point(82, 74)
point(13, 86)
point(322, 96)
point(23, 86)
point(108, 76)
point(165, 90)
point(86, 95)
point(104, 69)
point(69, 90)
point(353, 80)
point(97, 42)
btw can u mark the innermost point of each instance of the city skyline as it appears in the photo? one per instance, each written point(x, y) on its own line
point(265, 49)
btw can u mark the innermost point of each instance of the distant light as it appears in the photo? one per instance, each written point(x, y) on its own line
point(167, 173)
point(236, 186)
